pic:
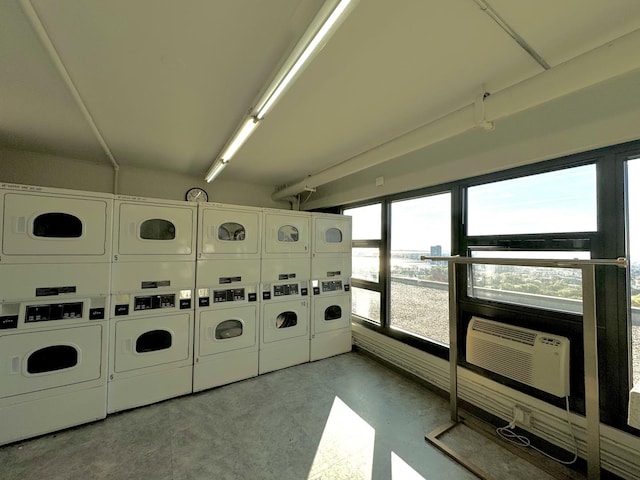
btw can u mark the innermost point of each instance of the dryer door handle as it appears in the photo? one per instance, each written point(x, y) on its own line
point(126, 345)
point(210, 333)
point(21, 225)
point(132, 229)
point(14, 365)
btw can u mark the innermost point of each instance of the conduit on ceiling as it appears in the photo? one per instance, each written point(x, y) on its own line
point(42, 34)
point(598, 65)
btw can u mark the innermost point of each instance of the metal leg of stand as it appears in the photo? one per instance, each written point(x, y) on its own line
point(453, 342)
point(591, 388)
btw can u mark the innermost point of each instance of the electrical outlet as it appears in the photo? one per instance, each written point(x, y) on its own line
point(522, 415)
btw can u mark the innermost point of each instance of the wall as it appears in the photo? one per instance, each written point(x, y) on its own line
point(599, 116)
point(46, 170)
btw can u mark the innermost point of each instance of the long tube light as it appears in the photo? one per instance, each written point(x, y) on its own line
point(318, 33)
point(314, 38)
point(239, 138)
point(216, 169)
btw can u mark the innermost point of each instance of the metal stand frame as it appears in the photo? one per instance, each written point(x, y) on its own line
point(589, 332)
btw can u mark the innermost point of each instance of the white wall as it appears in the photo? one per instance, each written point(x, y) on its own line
point(46, 170)
point(591, 118)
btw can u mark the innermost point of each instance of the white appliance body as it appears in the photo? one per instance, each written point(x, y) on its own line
point(331, 234)
point(286, 233)
point(284, 335)
point(151, 333)
point(330, 318)
point(150, 230)
point(227, 322)
point(48, 225)
point(228, 231)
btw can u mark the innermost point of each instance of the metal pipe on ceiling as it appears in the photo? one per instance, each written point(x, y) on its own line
point(598, 65)
point(39, 29)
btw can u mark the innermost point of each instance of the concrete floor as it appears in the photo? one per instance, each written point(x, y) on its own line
point(347, 417)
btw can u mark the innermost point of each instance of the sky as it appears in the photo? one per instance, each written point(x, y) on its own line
point(559, 201)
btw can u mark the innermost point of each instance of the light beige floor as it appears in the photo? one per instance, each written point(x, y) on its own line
point(347, 417)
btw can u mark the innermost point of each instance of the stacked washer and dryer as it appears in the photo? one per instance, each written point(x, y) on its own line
point(331, 291)
point(284, 279)
point(227, 286)
point(54, 295)
point(152, 307)
point(98, 311)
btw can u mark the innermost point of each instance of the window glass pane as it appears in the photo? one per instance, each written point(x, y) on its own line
point(365, 304)
point(634, 256)
point(366, 222)
point(57, 225)
point(419, 289)
point(157, 229)
point(288, 233)
point(231, 231)
point(557, 289)
point(365, 264)
point(559, 201)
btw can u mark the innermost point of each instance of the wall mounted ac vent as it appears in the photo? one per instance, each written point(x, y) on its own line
point(534, 358)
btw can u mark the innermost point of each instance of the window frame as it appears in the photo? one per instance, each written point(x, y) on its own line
point(612, 284)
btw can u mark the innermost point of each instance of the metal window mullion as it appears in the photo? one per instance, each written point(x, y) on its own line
point(385, 266)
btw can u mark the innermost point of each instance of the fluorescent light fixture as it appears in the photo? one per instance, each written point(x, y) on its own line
point(239, 138)
point(215, 169)
point(326, 21)
point(311, 42)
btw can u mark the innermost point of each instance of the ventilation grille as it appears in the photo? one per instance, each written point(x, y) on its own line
point(536, 359)
point(528, 337)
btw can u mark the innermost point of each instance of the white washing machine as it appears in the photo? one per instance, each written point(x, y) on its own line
point(227, 322)
point(50, 225)
point(53, 348)
point(284, 333)
point(151, 333)
point(151, 230)
point(229, 231)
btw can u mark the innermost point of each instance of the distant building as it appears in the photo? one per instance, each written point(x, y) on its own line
point(436, 250)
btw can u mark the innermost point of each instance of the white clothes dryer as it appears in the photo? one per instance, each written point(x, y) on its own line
point(49, 225)
point(331, 234)
point(151, 333)
point(152, 230)
point(330, 318)
point(227, 322)
point(53, 349)
point(286, 233)
point(229, 231)
point(284, 336)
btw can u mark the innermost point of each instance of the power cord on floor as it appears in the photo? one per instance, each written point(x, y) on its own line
point(507, 433)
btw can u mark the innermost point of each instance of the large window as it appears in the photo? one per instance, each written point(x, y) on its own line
point(633, 172)
point(558, 201)
point(367, 289)
point(568, 208)
point(544, 216)
point(419, 289)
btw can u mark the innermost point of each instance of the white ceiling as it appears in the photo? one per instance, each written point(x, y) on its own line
point(166, 82)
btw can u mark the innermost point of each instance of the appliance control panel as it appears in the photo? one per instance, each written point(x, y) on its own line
point(285, 289)
point(229, 295)
point(154, 302)
point(332, 286)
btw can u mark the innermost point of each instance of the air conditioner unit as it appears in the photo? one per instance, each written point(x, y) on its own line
point(534, 358)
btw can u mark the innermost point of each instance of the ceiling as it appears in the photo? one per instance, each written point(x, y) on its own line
point(166, 82)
